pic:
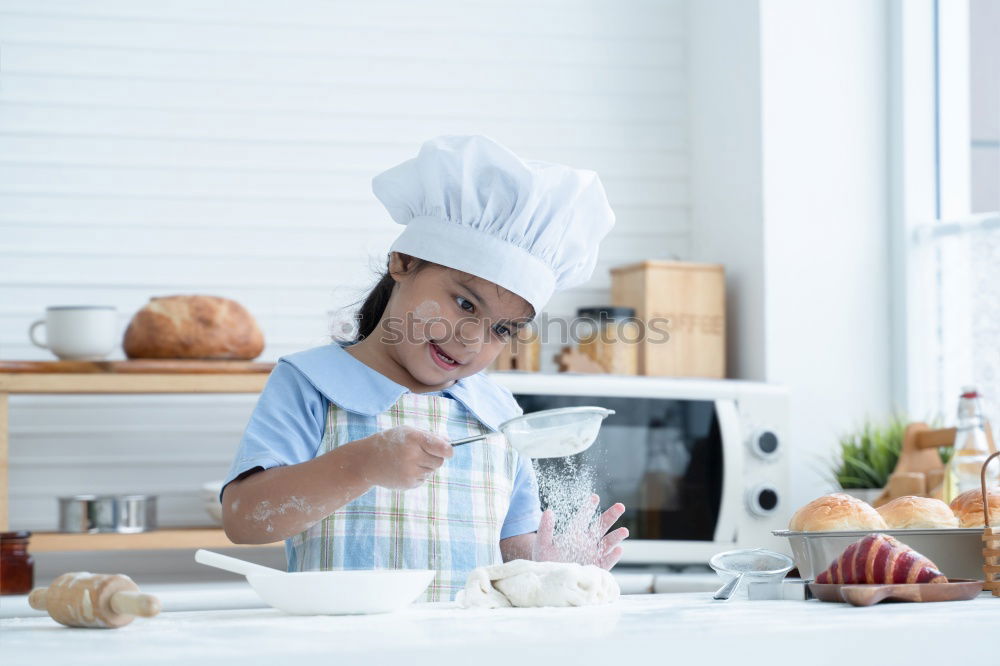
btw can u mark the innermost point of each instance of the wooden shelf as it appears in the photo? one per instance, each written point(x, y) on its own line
point(132, 383)
point(164, 539)
point(120, 377)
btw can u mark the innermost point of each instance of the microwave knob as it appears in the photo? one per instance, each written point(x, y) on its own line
point(764, 444)
point(763, 500)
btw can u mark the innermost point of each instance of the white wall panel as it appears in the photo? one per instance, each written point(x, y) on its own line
point(209, 147)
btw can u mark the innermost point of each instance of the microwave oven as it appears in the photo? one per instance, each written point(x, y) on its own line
point(700, 465)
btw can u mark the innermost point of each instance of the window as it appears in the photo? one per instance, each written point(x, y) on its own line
point(948, 166)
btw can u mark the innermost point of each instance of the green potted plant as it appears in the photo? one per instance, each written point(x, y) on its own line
point(866, 457)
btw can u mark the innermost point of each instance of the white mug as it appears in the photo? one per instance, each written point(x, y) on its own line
point(78, 332)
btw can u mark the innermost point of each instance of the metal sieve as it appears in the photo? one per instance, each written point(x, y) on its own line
point(754, 563)
point(550, 433)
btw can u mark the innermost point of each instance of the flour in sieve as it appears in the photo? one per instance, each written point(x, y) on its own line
point(557, 441)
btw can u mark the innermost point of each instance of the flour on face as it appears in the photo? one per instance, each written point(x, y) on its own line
point(427, 310)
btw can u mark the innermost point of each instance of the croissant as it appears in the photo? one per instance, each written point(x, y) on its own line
point(879, 558)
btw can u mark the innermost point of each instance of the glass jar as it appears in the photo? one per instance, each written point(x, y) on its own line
point(16, 563)
point(610, 335)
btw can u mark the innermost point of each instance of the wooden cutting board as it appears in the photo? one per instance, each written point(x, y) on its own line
point(868, 595)
point(148, 366)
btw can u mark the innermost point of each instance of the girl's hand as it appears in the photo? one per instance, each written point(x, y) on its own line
point(582, 541)
point(405, 457)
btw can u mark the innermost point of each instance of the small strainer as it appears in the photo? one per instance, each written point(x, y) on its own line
point(551, 433)
point(755, 563)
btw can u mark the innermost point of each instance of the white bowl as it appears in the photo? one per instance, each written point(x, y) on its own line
point(341, 592)
point(210, 496)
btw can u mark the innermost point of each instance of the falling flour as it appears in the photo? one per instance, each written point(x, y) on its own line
point(565, 485)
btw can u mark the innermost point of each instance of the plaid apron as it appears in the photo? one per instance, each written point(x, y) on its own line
point(451, 524)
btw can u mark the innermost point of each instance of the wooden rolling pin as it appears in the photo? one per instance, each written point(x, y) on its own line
point(104, 601)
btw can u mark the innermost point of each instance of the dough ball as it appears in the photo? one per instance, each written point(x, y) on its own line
point(525, 584)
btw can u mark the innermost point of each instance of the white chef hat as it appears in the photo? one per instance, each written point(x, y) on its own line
point(471, 204)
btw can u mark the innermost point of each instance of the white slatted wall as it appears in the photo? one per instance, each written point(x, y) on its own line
point(151, 148)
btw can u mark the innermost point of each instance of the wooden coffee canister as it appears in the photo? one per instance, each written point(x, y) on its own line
point(682, 308)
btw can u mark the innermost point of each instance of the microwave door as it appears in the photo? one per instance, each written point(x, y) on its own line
point(665, 459)
point(731, 503)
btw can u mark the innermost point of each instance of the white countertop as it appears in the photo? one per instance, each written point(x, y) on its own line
point(237, 594)
point(667, 628)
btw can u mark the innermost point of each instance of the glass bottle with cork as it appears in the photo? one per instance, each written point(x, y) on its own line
point(972, 447)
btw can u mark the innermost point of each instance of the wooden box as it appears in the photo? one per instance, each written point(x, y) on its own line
point(523, 352)
point(682, 307)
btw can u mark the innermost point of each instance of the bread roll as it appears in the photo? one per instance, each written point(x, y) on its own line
point(835, 513)
point(912, 512)
point(968, 507)
point(193, 327)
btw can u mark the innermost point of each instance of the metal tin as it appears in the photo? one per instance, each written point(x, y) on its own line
point(785, 590)
point(956, 552)
point(126, 514)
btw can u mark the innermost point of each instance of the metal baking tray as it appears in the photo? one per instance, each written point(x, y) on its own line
point(956, 552)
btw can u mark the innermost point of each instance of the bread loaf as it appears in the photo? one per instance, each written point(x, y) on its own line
point(193, 327)
point(968, 507)
point(836, 512)
point(879, 558)
point(912, 512)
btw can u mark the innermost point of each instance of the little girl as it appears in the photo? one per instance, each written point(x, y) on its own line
point(347, 457)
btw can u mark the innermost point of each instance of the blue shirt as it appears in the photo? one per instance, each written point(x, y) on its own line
point(287, 425)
